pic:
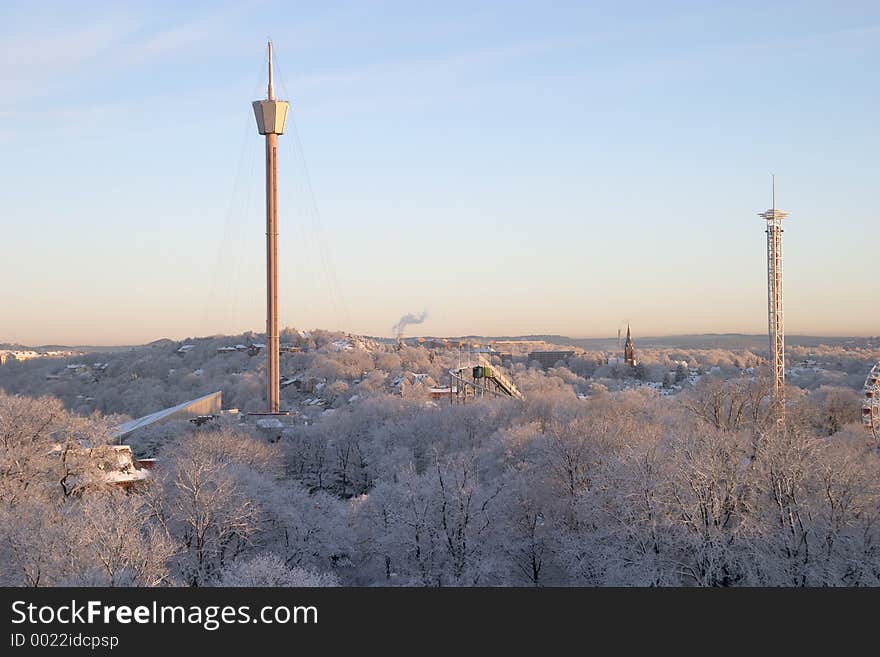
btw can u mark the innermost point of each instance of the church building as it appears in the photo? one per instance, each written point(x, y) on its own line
point(629, 354)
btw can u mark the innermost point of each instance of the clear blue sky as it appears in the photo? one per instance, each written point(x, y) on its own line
point(513, 168)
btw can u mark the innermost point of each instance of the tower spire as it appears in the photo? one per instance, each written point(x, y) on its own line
point(629, 352)
point(271, 92)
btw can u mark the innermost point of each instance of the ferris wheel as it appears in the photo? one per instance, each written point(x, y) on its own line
point(871, 403)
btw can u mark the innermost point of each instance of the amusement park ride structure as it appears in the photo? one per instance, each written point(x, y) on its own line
point(271, 115)
point(776, 323)
point(480, 378)
point(871, 403)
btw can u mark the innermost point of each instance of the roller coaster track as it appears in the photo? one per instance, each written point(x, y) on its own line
point(504, 386)
point(871, 403)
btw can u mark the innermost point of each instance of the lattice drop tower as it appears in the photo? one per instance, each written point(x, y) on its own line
point(775, 315)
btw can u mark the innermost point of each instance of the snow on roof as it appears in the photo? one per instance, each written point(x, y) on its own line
point(115, 463)
point(120, 477)
point(414, 377)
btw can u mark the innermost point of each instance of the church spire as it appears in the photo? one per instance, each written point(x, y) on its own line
point(629, 353)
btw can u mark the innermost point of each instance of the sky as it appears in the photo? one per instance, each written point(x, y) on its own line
point(509, 167)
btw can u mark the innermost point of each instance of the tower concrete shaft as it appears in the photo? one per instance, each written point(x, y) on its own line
point(273, 346)
point(775, 314)
point(271, 115)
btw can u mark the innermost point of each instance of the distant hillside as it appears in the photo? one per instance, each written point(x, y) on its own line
point(695, 341)
point(64, 347)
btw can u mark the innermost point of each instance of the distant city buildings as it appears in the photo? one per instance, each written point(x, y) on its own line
point(19, 355)
point(548, 359)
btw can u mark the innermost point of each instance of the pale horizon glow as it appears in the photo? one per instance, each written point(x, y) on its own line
point(518, 170)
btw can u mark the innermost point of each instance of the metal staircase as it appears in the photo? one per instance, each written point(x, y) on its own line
point(494, 374)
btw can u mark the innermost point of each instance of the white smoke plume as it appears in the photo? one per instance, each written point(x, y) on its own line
point(406, 320)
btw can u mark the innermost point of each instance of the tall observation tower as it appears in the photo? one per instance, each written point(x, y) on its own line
point(271, 115)
point(775, 316)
